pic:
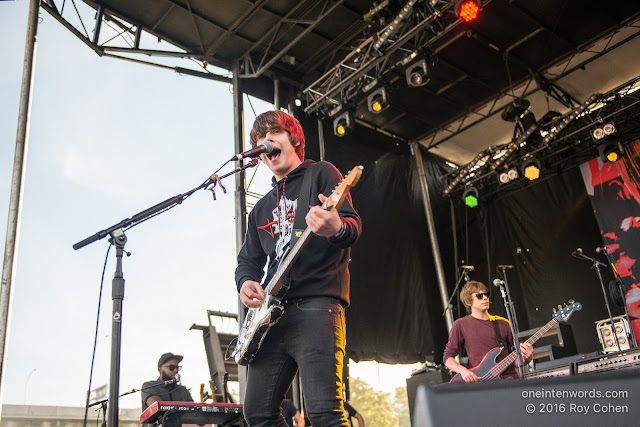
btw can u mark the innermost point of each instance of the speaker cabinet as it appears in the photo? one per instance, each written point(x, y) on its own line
point(424, 377)
point(585, 400)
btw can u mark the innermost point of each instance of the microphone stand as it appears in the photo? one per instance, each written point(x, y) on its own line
point(118, 239)
point(513, 321)
point(103, 402)
point(465, 276)
point(596, 265)
point(619, 284)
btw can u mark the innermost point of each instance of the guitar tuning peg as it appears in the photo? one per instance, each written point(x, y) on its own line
point(571, 301)
point(554, 310)
point(559, 307)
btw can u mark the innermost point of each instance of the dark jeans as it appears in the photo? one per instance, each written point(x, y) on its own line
point(310, 336)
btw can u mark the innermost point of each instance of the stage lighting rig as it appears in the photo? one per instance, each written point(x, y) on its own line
point(508, 176)
point(611, 151)
point(470, 197)
point(468, 10)
point(603, 131)
point(378, 100)
point(343, 124)
point(530, 168)
point(417, 73)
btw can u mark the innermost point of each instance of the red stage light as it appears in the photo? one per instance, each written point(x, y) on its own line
point(468, 10)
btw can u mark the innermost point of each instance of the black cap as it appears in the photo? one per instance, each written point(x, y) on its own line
point(168, 356)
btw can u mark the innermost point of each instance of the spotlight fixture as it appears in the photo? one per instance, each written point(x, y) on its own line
point(343, 124)
point(377, 101)
point(508, 176)
point(417, 73)
point(470, 197)
point(531, 169)
point(467, 10)
point(611, 151)
point(602, 131)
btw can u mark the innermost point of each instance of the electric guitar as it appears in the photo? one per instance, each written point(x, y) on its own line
point(259, 320)
point(488, 369)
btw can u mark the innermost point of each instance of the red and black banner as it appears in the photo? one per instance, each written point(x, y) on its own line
point(614, 189)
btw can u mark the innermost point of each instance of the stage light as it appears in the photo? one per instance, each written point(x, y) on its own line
point(417, 73)
point(611, 151)
point(531, 169)
point(467, 10)
point(377, 101)
point(470, 197)
point(343, 124)
point(602, 131)
point(508, 176)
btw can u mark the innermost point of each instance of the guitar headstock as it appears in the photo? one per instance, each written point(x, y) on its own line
point(340, 192)
point(563, 313)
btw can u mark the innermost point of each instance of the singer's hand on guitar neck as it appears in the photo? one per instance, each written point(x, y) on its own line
point(251, 294)
point(322, 222)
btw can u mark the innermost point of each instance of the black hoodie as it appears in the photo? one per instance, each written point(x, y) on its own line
point(322, 268)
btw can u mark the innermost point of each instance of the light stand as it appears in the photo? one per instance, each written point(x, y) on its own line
point(513, 321)
point(118, 239)
point(596, 266)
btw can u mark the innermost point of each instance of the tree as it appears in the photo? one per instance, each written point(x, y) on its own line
point(401, 407)
point(376, 407)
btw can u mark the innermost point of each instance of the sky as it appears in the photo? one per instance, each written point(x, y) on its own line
point(108, 139)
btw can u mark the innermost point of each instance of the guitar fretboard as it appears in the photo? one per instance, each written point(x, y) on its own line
point(504, 363)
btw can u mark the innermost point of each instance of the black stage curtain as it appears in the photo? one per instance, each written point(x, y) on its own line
point(536, 230)
point(396, 310)
point(395, 314)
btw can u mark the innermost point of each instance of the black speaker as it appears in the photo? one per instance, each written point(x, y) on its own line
point(424, 377)
point(585, 400)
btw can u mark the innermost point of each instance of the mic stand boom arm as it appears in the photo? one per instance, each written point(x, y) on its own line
point(118, 239)
point(464, 275)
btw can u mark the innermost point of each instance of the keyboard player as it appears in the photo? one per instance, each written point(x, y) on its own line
point(166, 387)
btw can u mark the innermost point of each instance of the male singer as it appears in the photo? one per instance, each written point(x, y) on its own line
point(311, 334)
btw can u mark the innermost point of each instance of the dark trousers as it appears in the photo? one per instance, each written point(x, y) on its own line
point(311, 337)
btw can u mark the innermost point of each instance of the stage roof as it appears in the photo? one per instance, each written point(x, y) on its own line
point(570, 48)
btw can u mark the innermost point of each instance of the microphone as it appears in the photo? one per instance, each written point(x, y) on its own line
point(177, 377)
point(498, 282)
point(506, 266)
point(468, 267)
point(265, 147)
point(578, 252)
point(602, 249)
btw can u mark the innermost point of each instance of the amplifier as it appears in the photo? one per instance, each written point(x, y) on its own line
point(609, 362)
point(558, 371)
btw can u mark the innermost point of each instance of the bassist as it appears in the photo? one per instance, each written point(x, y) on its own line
point(478, 334)
point(311, 334)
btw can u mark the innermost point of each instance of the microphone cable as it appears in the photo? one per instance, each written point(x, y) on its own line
point(95, 338)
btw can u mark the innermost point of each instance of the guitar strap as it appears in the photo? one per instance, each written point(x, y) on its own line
point(496, 329)
point(299, 223)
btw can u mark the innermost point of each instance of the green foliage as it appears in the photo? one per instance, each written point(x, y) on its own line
point(401, 407)
point(377, 408)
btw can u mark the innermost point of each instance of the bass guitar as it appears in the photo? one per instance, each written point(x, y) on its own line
point(259, 320)
point(489, 369)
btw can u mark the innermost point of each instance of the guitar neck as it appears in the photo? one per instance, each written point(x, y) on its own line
point(275, 284)
point(504, 363)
